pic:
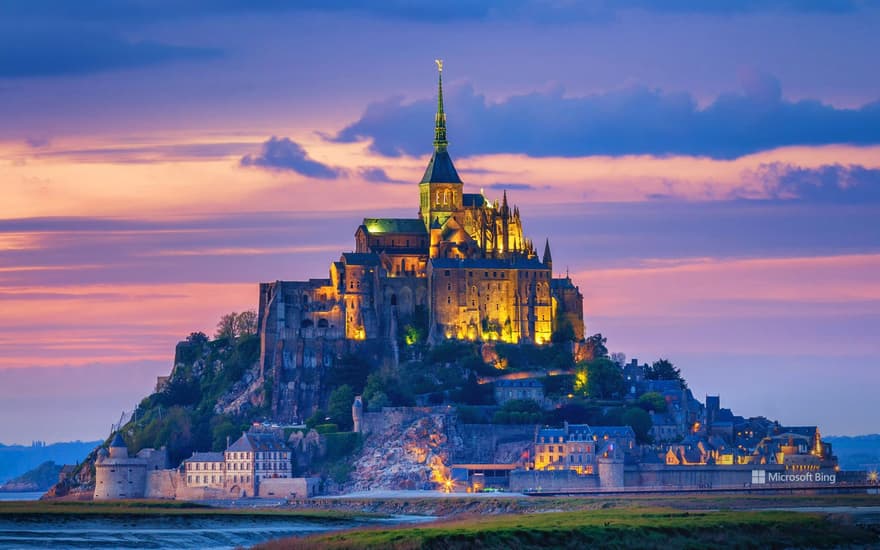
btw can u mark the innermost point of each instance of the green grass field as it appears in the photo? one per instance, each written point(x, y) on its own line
point(609, 528)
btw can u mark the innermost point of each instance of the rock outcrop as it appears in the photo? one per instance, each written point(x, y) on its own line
point(413, 451)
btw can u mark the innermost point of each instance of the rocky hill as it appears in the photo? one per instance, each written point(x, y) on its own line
point(213, 392)
point(40, 478)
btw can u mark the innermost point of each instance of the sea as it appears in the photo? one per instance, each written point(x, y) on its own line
point(162, 532)
point(21, 496)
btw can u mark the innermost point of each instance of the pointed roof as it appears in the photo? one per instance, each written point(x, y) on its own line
point(547, 257)
point(440, 168)
point(118, 441)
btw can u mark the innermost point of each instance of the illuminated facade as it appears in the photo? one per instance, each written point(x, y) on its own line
point(463, 265)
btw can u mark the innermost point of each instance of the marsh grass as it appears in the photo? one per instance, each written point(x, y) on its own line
point(610, 528)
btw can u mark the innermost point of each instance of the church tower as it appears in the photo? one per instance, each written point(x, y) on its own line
point(440, 191)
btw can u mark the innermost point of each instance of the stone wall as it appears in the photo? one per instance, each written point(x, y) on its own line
point(163, 484)
point(661, 475)
point(551, 481)
point(295, 487)
point(491, 443)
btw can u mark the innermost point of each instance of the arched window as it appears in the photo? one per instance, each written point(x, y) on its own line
point(322, 323)
point(306, 323)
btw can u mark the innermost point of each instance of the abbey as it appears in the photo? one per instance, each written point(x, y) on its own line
point(462, 266)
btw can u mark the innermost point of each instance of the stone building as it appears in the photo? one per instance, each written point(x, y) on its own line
point(119, 476)
point(463, 267)
point(576, 446)
point(205, 470)
point(245, 464)
point(526, 388)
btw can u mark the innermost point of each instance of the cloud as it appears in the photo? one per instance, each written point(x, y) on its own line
point(632, 121)
point(153, 153)
point(136, 11)
point(500, 186)
point(283, 154)
point(48, 49)
point(377, 175)
point(832, 183)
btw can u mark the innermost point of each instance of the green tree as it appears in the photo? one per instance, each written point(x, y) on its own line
point(232, 325)
point(663, 369)
point(640, 422)
point(246, 323)
point(653, 401)
point(223, 428)
point(319, 417)
point(596, 348)
point(339, 407)
point(197, 339)
point(604, 379)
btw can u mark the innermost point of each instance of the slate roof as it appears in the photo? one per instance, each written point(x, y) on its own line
point(613, 431)
point(561, 283)
point(251, 442)
point(360, 258)
point(378, 226)
point(118, 441)
point(206, 457)
point(551, 432)
point(472, 200)
point(440, 169)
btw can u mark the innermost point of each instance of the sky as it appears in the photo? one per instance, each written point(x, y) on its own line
point(707, 172)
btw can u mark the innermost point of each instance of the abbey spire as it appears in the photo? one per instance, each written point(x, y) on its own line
point(440, 142)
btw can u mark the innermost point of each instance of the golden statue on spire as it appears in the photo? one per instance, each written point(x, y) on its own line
point(439, 63)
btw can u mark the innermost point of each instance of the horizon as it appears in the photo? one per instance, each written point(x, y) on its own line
point(717, 206)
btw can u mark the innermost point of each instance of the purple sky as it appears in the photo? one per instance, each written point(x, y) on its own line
point(709, 173)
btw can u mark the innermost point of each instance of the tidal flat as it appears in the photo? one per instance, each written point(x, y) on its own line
point(166, 525)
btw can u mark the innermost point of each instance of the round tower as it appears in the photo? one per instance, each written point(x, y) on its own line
point(610, 466)
point(116, 475)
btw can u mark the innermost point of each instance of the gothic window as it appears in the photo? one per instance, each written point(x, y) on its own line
point(449, 299)
point(437, 198)
point(448, 286)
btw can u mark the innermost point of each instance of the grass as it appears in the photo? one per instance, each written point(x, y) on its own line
point(167, 508)
point(610, 528)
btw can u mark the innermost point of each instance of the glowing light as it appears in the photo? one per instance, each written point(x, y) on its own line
point(581, 381)
point(873, 476)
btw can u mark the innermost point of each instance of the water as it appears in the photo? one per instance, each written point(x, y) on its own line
point(21, 496)
point(160, 532)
